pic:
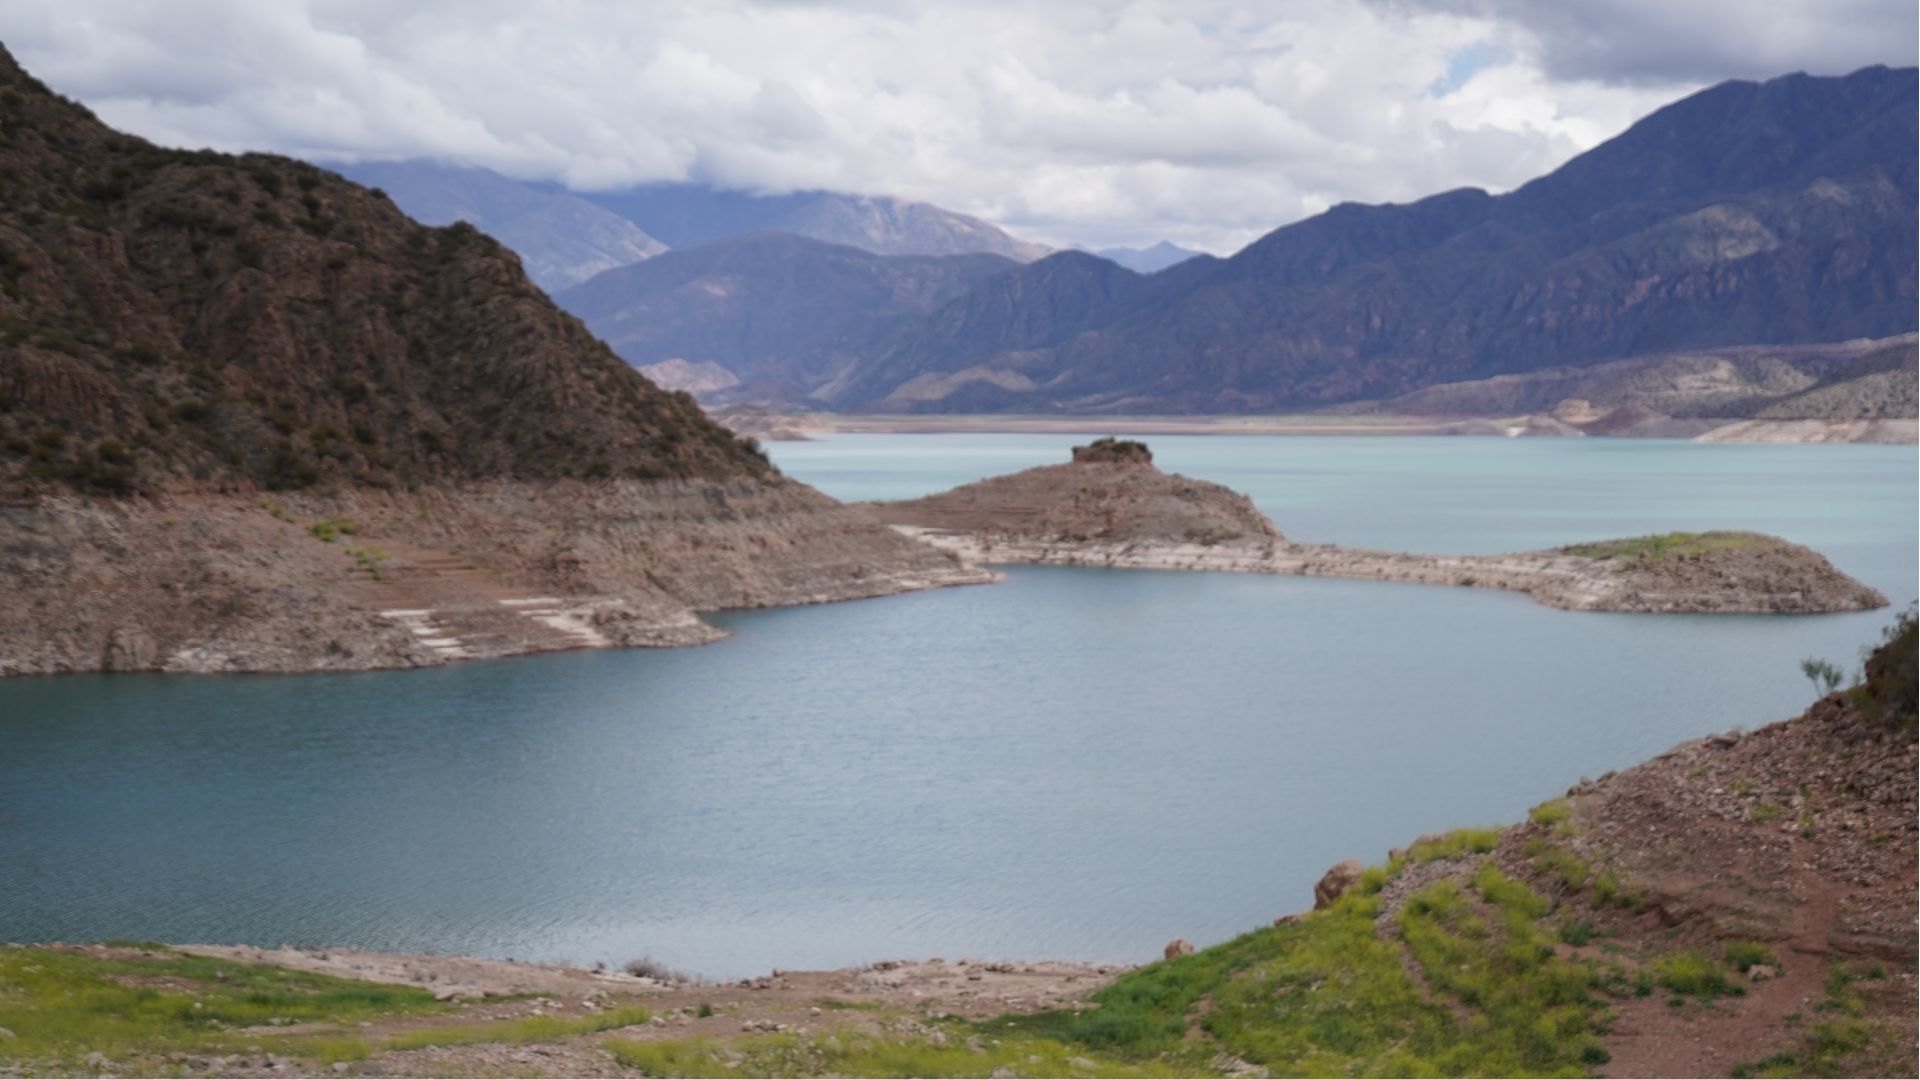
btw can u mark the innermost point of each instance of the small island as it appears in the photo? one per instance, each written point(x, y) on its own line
point(1112, 507)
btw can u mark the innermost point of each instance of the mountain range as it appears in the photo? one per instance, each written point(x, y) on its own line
point(771, 309)
point(1777, 212)
point(561, 238)
point(687, 215)
point(1147, 260)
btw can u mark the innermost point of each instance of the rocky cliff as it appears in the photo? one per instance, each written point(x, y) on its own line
point(250, 410)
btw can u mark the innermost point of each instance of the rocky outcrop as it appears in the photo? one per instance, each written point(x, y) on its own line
point(1132, 516)
point(1336, 881)
point(1110, 493)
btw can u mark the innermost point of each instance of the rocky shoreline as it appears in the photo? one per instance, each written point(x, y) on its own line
point(1112, 508)
point(1800, 581)
point(370, 579)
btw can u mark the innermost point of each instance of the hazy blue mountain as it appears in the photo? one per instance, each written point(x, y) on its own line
point(561, 238)
point(772, 309)
point(1147, 260)
point(1776, 212)
point(684, 215)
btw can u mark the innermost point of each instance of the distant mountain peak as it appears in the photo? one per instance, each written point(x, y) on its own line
point(684, 215)
point(1148, 260)
point(561, 238)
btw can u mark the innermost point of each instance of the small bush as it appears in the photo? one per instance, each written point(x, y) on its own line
point(1743, 955)
point(332, 529)
point(1696, 974)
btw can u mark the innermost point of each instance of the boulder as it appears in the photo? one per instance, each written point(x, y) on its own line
point(1335, 882)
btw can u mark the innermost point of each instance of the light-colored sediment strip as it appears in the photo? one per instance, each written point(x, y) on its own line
point(1558, 579)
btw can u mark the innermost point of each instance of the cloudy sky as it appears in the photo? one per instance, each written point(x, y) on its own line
point(1093, 122)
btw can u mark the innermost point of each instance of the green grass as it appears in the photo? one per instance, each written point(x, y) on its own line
point(1610, 891)
point(526, 1029)
point(1455, 844)
point(1695, 974)
point(848, 1052)
point(370, 559)
point(62, 1005)
point(1570, 870)
point(332, 529)
point(1555, 814)
point(1332, 996)
point(1831, 1046)
point(1743, 955)
point(1666, 545)
point(1577, 933)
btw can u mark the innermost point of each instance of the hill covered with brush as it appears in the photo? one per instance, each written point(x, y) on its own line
point(214, 368)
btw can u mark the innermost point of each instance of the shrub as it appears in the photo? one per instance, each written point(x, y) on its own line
point(1743, 955)
point(1694, 973)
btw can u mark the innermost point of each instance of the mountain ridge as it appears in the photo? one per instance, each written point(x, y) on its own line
point(687, 215)
point(561, 238)
point(1716, 220)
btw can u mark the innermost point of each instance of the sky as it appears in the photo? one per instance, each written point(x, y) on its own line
point(1090, 123)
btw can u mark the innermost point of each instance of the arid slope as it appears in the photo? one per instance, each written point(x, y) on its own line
point(252, 417)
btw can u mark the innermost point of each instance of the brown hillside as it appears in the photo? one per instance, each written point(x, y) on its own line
point(174, 320)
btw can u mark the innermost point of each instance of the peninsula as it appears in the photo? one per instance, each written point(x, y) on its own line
point(1112, 507)
point(254, 418)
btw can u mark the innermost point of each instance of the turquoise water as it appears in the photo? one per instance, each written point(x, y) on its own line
point(1074, 763)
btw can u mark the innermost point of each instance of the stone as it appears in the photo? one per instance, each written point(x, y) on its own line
point(1178, 947)
point(1762, 972)
point(1003, 1073)
point(1336, 881)
point(1083, 1063)
point(1287, 920)
point(1723, 741)
point(129, 649)
point(7, 1034)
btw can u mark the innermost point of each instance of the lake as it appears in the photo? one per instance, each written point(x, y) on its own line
point(1074, 764)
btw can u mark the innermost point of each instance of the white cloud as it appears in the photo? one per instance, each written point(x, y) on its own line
point(1095, 122)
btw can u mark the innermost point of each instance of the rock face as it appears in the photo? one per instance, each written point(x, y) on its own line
point(253, 418)
point(1336, 881)
point(1128, 514)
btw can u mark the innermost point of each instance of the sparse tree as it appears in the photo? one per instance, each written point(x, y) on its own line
point(1824, 676)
